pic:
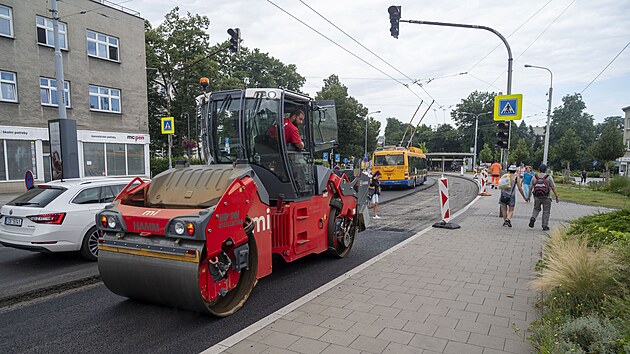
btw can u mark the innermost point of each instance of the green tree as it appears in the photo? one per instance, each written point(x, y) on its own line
point(522, 152)
point(445, 139)
point(485, 155)
point(571, 115)
point(567, 150)
point(609, 146)
point(616, 120)
point(350, 119)
point(394, 131)
point(477, 102)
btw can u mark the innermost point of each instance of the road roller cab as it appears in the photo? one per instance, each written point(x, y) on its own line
point(199, 237)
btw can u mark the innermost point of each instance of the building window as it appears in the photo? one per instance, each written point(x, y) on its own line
point(102, 46)
point(48, 92)
point(111, 159)
point(17, 156)
point(46, 34)
point(6, 21)
point(116, 162)
point(135, 159)
point(8, 86)
point(104, 99)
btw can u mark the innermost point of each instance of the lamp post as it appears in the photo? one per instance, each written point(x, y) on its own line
point(476, 128)
point(546, 151)
point(367, 119)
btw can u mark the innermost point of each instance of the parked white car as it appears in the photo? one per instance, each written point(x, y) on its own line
point(58, 216)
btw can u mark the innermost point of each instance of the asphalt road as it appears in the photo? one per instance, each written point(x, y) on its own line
point(92, 319)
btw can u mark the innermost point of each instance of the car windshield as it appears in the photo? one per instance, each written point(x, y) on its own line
point(39, 197)
point(389, 160)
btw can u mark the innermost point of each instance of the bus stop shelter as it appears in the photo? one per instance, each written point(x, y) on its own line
point(443, 161)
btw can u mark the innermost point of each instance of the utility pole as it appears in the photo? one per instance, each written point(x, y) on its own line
point(546, 151)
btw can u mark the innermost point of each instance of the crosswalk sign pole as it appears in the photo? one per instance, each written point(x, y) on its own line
point(170, 159)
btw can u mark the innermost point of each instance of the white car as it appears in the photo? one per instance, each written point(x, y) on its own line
point(58, 216)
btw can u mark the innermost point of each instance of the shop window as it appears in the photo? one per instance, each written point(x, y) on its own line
point(6, 21)
point(48, 92)
point(20, 155)
point(102, 46)
point(116, 165)
point(94, 159)
point(135, 159)
point(8, 86)
point(46, 35)
point(104, 99)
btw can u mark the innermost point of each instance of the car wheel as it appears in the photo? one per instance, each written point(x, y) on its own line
point(89, 246)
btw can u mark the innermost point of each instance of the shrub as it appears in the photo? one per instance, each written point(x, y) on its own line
point(604, 228)
point(594, 174)
point(591, 334)
point(159, 164)
point(582, 276)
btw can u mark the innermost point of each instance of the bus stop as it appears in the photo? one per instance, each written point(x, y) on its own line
point(449, 161)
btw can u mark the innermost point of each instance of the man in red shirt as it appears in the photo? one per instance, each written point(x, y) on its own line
point(291, 132)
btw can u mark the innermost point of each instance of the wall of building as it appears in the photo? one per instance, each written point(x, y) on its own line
point(31, 60)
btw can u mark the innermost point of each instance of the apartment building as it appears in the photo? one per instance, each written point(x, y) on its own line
point(105, 88)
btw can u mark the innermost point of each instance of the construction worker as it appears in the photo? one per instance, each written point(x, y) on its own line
point(495, 172)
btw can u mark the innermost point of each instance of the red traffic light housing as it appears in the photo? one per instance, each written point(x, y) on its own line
point(235, 39)
point(503, 134)
point(394, 19)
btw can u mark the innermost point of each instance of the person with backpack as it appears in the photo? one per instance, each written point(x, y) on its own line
point(507, 199)
point(540, 186)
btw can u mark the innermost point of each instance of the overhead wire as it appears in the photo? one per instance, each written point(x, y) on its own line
point(344, 48)
point(366, 48)
point(606, 67)
point(510, 35)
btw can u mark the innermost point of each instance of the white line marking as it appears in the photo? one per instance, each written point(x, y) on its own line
point(264, 322)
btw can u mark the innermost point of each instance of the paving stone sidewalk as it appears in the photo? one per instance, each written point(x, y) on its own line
point(448, 291)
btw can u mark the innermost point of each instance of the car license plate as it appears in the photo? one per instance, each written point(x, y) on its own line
point(8, 220)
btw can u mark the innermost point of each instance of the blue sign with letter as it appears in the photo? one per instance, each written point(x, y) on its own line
point(325, 157)
point(337, 157)
point(345, 160)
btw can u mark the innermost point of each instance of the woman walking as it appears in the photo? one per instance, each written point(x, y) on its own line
point(375, 190)
point(507, 198)
point(526, 179)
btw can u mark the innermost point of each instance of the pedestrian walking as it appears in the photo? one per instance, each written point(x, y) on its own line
point(540, 186)
point(527, 179)
point(507, 198)
point(521, 169)
point(495, 171)
point(375, 190)
point(583, 175)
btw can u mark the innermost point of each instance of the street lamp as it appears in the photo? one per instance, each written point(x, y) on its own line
point(367, 118)
point(476, 127)
point(546, 151)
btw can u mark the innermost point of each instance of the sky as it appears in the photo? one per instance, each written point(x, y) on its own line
point(575, 39)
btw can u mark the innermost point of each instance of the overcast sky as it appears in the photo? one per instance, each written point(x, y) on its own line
point(576, 39)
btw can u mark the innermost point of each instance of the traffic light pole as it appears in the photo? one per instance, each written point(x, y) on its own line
point(507, 45)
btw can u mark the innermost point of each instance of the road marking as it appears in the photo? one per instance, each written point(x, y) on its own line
point(264, 322)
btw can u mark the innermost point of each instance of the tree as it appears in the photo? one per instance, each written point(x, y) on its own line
point(571, 116)
point(616, 120)
point(568, 149)
point(394, 131)
point(485, 155)
point(476, 103)
point(350, 119)
point(522, 152)
point(609, 146)
point(445, 139)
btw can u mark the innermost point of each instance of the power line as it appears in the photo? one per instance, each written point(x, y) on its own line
point(538, 37)
point(342, 47)
point(510, 35)
point(606, 67)
point(366, 48)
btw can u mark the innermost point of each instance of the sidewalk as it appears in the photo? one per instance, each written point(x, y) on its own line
point(443, 291)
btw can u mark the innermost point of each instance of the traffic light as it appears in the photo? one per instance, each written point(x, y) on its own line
point(235, 39)
point(503, 134)
point(175, 140)
point(394, 19)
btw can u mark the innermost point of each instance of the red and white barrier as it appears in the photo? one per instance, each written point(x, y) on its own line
point(444, 207)
point(445, 210)
point(475, 173)
point(483, 189)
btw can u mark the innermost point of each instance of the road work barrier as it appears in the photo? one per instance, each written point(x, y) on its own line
point(445, 210)
point(483, 186)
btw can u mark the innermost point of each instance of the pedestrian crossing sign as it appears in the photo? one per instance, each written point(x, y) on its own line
point(168, 125)
point(508, 107)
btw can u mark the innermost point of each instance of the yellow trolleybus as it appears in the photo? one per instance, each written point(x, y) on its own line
point(400, 166)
